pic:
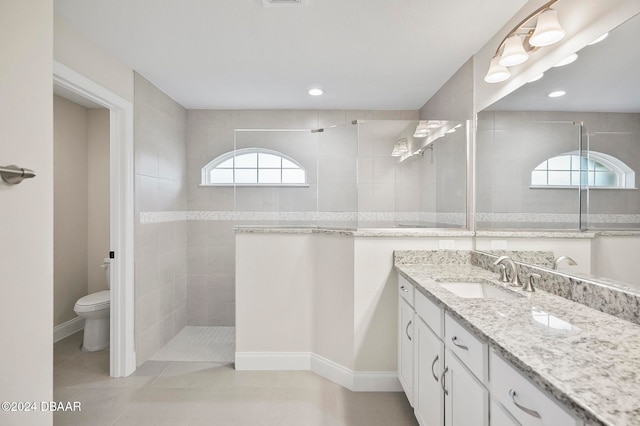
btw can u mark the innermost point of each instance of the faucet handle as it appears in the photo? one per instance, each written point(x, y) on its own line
point(528, 285)
point(503, 273)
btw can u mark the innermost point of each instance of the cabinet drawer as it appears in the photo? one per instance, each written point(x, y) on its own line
point(471, 350)
point(499, 416)
point(405, 289)
point(522, 399)
point(430, 313)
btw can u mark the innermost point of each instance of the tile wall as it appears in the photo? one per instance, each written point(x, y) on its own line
point(160, 246)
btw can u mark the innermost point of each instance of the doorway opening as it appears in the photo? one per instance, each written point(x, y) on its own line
point(74, 86)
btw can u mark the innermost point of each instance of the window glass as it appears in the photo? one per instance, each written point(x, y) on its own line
point(247, 161)
point(269, 161)
point(571, 169)
point(293, 176)
point(246, 175)
point(269, 176)
point(254, 166)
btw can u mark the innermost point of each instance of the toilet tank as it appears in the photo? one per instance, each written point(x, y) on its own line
point(106, 263)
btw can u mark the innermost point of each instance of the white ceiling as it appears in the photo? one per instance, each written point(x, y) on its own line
point(365, 54)
point(604, 78)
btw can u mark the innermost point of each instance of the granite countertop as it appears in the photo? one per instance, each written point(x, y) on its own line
point(535, 234)
point(588, 360)
point(353, 232)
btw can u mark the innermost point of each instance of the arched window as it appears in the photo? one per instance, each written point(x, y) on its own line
point(254, 167)
point(571, 169)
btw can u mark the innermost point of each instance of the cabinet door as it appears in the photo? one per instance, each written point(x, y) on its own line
point(405, 348)
point(428, 398)
point(466, 399)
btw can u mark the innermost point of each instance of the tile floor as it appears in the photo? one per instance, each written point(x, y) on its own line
point(206, 393)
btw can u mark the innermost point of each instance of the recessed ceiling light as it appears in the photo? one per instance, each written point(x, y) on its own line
point(557, 94)
point(599, 39)
point(568, 60)
point(316, 92)
point(536, 78)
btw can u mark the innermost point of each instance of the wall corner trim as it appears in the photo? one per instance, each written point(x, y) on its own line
point(357, 381)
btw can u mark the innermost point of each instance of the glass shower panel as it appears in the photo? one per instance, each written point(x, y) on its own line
point(614, 160)
point(524, 173)
point(337, 177)
point(276, 177)
point(379, 172)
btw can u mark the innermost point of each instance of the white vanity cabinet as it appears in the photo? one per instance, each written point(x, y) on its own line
point(443, 391)
point(428, 398)
point(451, 377)
point(405, 336)
point(522, 399)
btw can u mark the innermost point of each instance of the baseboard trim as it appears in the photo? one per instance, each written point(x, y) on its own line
point(358, 381)
point(284, 361)
point(66, 329)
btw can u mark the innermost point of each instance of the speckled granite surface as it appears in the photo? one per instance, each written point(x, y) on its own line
point(612, 297)
point(535, 234)
point(362, 232)
point(588, 360)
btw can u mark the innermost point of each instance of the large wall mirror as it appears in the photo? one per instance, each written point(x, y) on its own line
point(567, 162)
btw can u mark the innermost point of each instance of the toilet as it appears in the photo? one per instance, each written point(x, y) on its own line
point(95, 308)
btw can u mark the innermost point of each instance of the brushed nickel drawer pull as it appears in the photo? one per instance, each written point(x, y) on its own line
point(454, 340)
point(403, 288)
point(433, 364)
point(406, 330)
point(529, 411)
point(446, 392)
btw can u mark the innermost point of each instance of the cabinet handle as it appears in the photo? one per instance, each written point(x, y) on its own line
point(433, 364)
point(406, 330)
point(529, 411)
point(446, 392)
point(403, 288)
point(454, 340)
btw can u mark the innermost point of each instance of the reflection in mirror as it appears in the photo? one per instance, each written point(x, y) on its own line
point(566, 162)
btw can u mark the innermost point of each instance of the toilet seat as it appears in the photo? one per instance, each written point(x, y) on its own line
point(93, 302)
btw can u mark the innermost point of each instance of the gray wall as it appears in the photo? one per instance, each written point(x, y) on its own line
point(70, 125)
point(160, 237)
point(81, 203)
point(511, 144)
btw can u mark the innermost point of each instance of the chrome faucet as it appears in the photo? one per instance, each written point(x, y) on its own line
point(559, 260)
point(515, 279)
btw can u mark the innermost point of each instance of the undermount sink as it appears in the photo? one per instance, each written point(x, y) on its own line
point(479, 290)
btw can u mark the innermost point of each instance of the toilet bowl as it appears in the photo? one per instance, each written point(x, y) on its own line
point(95, 309)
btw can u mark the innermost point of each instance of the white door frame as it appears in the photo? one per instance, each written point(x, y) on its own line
point(123, 355)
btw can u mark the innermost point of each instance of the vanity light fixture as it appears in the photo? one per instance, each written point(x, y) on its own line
point(514, 52)
point(523, 38)
point(536, 78)
point(557, 94)
point(566, 61)
point(400, 148)
point(316, 92)
point(425, 126)
point(599, 39)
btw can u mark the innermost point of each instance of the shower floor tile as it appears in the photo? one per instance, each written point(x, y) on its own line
point(203, 344)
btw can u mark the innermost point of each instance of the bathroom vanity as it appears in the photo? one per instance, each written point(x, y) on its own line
point(507, 357)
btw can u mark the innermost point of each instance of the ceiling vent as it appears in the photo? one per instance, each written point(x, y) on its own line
point(277, 3)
